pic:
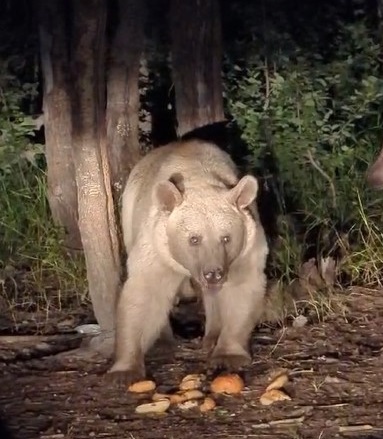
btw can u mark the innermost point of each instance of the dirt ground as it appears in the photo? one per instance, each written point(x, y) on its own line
point(335, 386)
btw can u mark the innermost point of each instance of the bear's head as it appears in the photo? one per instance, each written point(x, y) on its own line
point(206, 229)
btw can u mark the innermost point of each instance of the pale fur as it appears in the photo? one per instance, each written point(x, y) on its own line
point(155, 277)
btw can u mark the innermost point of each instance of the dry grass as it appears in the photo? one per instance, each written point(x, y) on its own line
point(36, 276)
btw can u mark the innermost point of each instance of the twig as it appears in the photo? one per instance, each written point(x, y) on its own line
point(301, 371)
point(326, 176)
point(288, 421)
point(267, 83)
point(355, 428)
point(278, 342)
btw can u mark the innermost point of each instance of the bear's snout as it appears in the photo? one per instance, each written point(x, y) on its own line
point(214, 278)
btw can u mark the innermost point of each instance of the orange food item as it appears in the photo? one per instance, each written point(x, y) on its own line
point(230, 384)
point(142, 386)
point(208, 404)
point(272, 396)
point(278, 382)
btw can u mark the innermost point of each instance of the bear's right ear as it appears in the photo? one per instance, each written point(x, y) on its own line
point(167, 195)
point(245, 192)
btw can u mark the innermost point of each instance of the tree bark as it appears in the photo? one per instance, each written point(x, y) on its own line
point(96, 211)
point(196, 63)
point(123, 97)
point(62, 190)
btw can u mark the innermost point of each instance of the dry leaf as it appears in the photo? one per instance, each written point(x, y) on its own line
point(309, 274)
point(332, 380)
point(272, 396)
point(328, 270)
point(300, 321)
point(154, 407)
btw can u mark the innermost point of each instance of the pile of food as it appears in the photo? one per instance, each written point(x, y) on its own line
point(190, 393)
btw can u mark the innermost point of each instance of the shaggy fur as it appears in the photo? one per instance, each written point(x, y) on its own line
point(187, 215)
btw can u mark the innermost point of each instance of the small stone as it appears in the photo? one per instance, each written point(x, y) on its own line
point(300, 321)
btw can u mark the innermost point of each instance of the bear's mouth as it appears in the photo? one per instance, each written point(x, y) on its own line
point(202, 286)
point(212, 287)
point(210, 280)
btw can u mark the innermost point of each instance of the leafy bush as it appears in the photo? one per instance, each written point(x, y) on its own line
point(17, 128)
point(313, 121)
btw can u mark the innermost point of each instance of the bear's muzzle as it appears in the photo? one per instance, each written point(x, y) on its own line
point(213, 279)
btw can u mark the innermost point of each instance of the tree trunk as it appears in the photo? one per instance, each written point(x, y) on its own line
point(196, 63)
point(96, 211)
point(62, 190)
point(123, 97)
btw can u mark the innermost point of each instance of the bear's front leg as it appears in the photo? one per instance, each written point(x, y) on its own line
point(141, 315)
point(240, 307)
point(212, 321)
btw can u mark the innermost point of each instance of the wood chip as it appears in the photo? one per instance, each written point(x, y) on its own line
point(355, 428)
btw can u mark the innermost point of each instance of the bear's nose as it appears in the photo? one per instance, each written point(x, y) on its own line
point(214, 276)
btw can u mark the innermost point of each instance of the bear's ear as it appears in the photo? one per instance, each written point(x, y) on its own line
point(167, 195)
point(245, 192)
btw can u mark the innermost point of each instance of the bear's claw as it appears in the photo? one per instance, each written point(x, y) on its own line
point(229, 362)
point(123, 378)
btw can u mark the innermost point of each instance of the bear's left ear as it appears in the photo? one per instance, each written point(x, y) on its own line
point(245, 192)
point(167, 195)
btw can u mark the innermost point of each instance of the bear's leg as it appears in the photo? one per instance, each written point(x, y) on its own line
point(212, 321)
point(167, 335)
point(142, 314)
point(240, 309)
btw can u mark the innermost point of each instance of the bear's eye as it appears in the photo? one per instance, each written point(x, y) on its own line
point(226, 239)
point(195, 240)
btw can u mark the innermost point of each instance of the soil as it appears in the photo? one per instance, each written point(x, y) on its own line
point(335, 386)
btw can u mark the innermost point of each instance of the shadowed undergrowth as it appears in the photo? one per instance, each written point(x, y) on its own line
point(307, 98)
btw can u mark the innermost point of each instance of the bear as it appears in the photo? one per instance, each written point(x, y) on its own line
point(188, 218)
point(375, 173)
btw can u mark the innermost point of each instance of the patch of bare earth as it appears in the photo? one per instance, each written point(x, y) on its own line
point(335, 386)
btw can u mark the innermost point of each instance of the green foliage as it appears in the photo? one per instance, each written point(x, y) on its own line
point(313, 120)
point(16, 127)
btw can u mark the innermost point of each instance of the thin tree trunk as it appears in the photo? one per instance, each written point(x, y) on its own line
point(123, 98)
point(96, 213)
point(196, 63)
point(62, 190)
